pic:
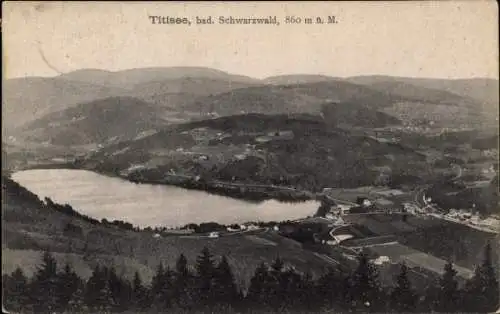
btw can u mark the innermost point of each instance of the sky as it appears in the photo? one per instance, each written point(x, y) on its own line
point(442, 39)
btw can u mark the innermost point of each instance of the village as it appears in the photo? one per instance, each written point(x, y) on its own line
point(380, 223)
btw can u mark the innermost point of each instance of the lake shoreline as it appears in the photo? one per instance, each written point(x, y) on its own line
point(241, 191)
point(172, 206)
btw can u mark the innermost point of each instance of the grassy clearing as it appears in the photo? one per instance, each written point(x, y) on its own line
point(400, 253)
point(260, 240)
point(371, 192)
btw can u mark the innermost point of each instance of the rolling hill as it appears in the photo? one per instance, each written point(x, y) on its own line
point(421, 93)
point(26, 99)
point(412, 104)
point(98, 122)
point(438, 102)
point(177, 93)
point(297, 79)
point(30, 98)
point(298, 150)
point(295, 98)
point(198, 90)
point(485, 91)
point(130, 78)
point(347, 115)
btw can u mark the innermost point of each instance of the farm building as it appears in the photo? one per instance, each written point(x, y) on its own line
point(179, 231)
point(213, 235)
point(381, 260)
point(342, 209)
point(366, 203)
point(284, 135)
point(384, 204)
point(251, 227)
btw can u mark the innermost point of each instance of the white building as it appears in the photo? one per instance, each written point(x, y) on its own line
point(381, 260)
point(367, 203)
point(330, 216)
point(342, 209)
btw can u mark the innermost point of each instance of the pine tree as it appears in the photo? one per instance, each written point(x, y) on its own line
point(364, 286)
point(277, 266)
point(98, 295)
point(205, 269)
point(156, 284)
point(183, 285)
point(482, 291)
point(257, 296)
point(155, 298)
point(44, 286)
point(224, 286)
point(448, 293)
point(403, 298)
point(332, 288)
point(309, 300)
point(92, 284)
point(15, 291)
point(139, 293)
point(120, 288)
point(277, 284)
point(126, 293)
point(77, 301)
point(429, 302)
point(161, 292)
point(167, 289)
point(67, 286)
point(289, 290)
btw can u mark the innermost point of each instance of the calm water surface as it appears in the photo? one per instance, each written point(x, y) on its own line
point(100, 197)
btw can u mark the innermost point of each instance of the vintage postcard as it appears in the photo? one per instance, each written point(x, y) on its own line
point(250, 157)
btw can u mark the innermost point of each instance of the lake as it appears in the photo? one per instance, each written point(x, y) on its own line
point(100, 196)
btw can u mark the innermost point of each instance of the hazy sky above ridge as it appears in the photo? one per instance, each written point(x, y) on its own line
point(446, 39)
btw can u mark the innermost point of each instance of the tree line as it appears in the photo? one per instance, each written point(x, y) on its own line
point(210, 286)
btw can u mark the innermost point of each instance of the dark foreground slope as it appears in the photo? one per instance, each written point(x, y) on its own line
point(30, 226)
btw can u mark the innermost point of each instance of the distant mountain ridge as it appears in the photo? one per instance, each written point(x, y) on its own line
point(298, 79)
point(25, 99)
point(103, 121)
point(130, 77)
point(485, 90)
point(301, 98)
point(199, 91)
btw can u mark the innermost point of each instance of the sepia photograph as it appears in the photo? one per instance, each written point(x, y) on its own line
point(250, 157)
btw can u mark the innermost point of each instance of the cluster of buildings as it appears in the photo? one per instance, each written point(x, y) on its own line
point(491, 223)
point(364, 205)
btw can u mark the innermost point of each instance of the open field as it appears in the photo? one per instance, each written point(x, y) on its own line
point(438, 237)
point(393, 223)
point(371, 192)
point(461, 244)
point(369, 242)
point(260, 240)
point(399, 253)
